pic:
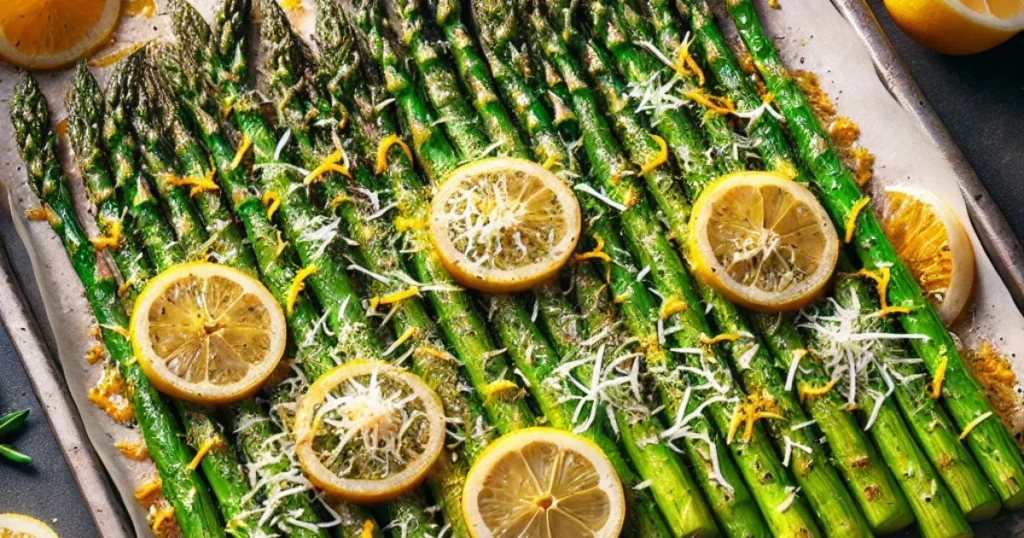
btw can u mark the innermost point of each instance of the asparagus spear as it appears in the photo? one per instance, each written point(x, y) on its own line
point(965, 480)
point(259, 439)
point(182, 486)
point(784, 512)
point(85, 118)
point(990, 442)
point(528, 370)
point(226, 239)
point(936, 510)
point(456, 116)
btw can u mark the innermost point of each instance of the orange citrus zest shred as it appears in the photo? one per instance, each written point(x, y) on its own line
point(396, 297)
point(659, 159)
point(940, 376)
point(851, 219)
point(272, 201)
point(298, 284)
point(330, 164)
point(384, 147)
point(243, 148)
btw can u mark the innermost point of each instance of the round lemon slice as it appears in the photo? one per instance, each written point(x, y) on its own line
point(543, 483)
point(958, 26)
point(504, 225)
point(932, 242)
point(22, 526)
point(762, 240)
point(207, 333)
point(368, 432)
point(47, 34)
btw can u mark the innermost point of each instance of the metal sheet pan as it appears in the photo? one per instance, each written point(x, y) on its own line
point(1002, 247)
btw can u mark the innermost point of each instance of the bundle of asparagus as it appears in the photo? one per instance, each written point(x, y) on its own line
point(717, 420)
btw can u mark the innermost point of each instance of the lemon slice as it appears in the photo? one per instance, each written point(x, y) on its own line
point(47, 34)
point(762, 240)
point(543, 483)
point(368, 432)
point(207, 333)
point(958, 26)
point(504, 225)
point(930, 240)
point(22, 526)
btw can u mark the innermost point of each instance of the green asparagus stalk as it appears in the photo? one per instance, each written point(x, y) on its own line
point(297, 92)
point(330, 283)
point(85, 117)
point(143, 206)
point(163, 168)
point(226, 239)
point(540, 367)
point(182, 486)
point(278, 268)
point(439, 82)
point(472, 71)
point(366, 204)
point(989, 441)
point(462, 326)
point(871, 484)
point(369, 126)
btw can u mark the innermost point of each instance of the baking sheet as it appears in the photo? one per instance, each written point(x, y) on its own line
point(815, 37)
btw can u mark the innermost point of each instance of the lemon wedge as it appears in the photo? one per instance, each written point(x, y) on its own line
point(931, 241)
point(543, 483)
point(47, 34)
point(22, 526)
point(207, 333)
point(763, 241)
point(958, 26)
point(368, 431)
point(504, 225)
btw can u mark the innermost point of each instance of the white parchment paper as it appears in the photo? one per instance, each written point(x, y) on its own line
point(812, 36)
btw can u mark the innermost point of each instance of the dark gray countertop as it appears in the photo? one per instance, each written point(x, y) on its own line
point(980, 99)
